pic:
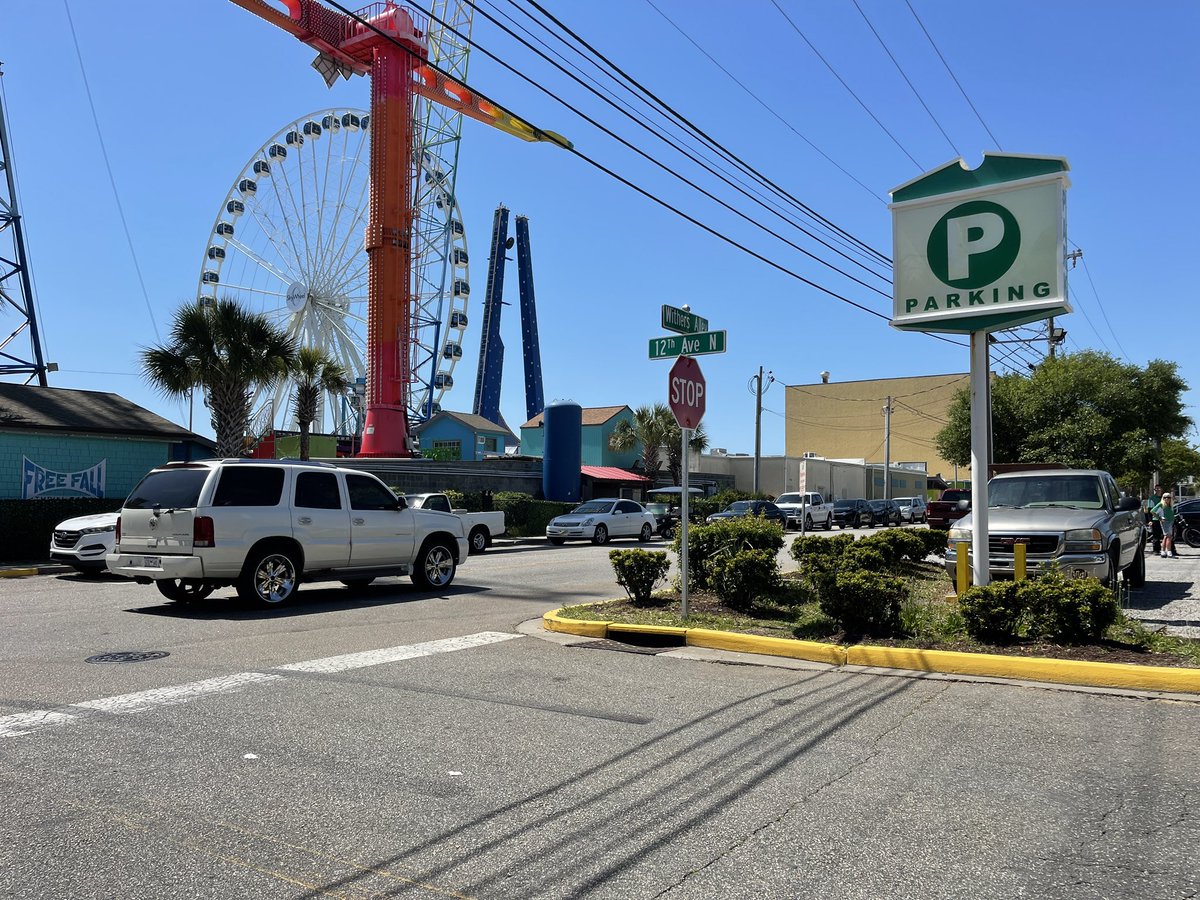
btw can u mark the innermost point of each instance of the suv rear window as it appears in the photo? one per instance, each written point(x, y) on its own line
point(249, 486)
point(168, 489)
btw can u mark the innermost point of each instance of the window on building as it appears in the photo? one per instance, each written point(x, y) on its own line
point(489, 445)
point(448, 449)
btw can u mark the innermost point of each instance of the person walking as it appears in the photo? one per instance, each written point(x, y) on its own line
point(1151, 507)
point(1165, 513)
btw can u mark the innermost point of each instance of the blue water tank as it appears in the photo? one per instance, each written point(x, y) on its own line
point(562, 450)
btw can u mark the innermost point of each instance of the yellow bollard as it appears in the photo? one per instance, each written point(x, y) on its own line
point(964, 565)
point(1019, 562)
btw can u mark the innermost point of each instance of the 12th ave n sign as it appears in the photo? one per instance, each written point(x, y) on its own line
point(686, 391)
point(978, 250)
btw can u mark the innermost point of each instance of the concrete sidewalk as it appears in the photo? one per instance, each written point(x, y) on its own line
point(1171, 597)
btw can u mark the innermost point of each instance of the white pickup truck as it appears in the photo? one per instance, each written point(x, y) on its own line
point(480, 527)
point(807, 509)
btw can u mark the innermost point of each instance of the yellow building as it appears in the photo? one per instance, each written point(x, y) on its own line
point(845, 420)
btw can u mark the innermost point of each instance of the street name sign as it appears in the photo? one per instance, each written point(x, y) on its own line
point(686, 391)
point(682, 321)
point(982, 249)
point(687, 344)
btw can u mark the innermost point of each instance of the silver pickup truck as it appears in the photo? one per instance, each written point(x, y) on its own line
point(1076, 519)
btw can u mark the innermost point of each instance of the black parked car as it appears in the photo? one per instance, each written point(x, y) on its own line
point(852, 514)
point(764, 508)
point(1187, 522)
point(885, 512)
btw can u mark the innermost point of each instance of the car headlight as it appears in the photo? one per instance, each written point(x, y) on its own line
point(99, 530)
point(1083, 540)
point(959, 534)
point(588, 521)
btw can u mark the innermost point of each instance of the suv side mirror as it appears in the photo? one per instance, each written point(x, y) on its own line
point(963, 504)
point(1128, 504)
point(401, 503)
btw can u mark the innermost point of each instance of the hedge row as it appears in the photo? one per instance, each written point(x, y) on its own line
point(26, 526)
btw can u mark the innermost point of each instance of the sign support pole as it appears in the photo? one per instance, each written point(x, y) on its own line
point(683, 526)
point(979, 456)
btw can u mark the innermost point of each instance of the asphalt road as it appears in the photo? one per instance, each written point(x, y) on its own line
point(404, 743)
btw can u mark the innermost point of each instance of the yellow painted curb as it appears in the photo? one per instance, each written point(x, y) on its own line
point(17, 573)
point(552, 621)
point(1059, 671)
point(667, 630)
point(753, 643)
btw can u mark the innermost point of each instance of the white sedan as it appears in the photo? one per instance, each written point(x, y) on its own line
point(599, 520)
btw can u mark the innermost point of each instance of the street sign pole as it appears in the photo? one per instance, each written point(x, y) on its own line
point(683, 527)
point(979, 458)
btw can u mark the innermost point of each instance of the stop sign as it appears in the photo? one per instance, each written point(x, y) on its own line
point(685, 392)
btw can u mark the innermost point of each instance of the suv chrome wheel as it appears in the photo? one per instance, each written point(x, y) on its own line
point(435, 567)
point(271, 580)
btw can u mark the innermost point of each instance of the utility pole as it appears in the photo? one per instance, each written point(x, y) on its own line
point(1050, 337)
point(887, 450)
point(758, 392)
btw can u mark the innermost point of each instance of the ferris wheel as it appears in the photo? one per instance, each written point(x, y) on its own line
point(288, 243)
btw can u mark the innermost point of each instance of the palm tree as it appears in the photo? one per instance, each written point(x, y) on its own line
point(697, 443)
point(314, 373)
point(227, 352)
point(648, 430)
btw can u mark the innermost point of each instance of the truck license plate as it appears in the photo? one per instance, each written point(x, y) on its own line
point(152, 562)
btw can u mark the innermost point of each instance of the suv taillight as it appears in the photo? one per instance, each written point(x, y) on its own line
point(202, 532)
point(117, 532)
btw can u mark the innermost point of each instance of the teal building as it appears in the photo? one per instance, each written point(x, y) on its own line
point(59, 442)
point(598, 425)
point(465, 436)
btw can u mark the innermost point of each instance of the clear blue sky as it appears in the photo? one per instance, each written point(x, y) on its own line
point(186, 92)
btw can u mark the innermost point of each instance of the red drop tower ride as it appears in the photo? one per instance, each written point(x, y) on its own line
point(389, 43)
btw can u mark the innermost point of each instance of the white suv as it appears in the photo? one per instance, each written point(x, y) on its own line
point(266, 525)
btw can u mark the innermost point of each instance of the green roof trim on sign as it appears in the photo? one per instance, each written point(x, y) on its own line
point(994, 322)
point(996, 168)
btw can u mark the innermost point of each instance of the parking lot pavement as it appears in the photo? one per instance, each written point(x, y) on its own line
point(1171, 597)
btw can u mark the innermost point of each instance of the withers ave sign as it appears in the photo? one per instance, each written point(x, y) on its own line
point(982, 249)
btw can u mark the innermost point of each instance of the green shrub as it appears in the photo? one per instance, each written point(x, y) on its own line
point(1052, 607)
point(994, 613)
point(935, 541)
point(638, 571)
point(807, 545)
point(526, 517)
point(741, 577)
point(864, 557)
point(1068, 610)
point(864, 602)
point(725, 538)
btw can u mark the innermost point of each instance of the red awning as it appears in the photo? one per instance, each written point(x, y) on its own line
point(610, 473)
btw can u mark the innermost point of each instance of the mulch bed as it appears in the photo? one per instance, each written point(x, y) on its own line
point(704, 602)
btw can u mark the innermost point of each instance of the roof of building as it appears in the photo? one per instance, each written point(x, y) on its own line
point(29, 406)
point(592, 415)
point(610, 473)
point(472, 421)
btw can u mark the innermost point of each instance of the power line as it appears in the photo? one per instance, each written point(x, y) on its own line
point(1116, 339)
point(907, 81)
point(830, 67)
point(673, 173)
point(961, 89)
point(595, 164)
point(700, 133)
point(108, 167)
point(765, 105)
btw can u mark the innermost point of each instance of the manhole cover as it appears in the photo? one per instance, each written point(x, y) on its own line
point(124, 656)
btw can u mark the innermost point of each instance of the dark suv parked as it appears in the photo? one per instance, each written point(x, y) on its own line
point(852, 514)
